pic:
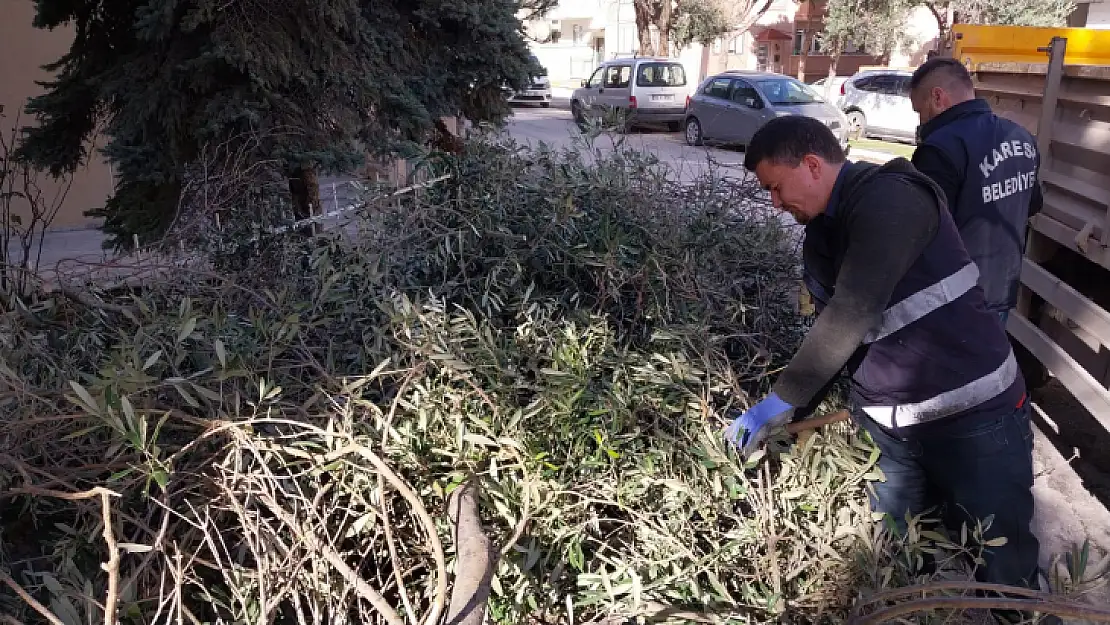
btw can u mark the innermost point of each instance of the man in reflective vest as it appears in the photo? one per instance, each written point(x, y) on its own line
point(987, 168)
point(934, 381)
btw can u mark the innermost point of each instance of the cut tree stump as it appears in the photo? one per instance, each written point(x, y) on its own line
point(474, 558)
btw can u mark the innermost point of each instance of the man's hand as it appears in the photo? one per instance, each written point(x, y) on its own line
point(750, 429)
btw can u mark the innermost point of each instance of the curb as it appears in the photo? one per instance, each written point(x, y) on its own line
point(871, 155)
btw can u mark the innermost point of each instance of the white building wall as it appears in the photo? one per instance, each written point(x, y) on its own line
point(1098, 15)
point(922, 31)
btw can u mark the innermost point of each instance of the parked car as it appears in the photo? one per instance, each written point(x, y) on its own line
point(638, 90)
point(729, 108)
point(834, 93)
point(877, 104)
point(538, 92)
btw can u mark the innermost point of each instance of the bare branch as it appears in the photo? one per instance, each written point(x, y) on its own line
point(31, 601)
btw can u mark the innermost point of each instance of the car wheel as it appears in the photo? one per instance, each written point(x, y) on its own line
point(857, 125)
point(674, 126)
point(577, 114)
point(693, 132)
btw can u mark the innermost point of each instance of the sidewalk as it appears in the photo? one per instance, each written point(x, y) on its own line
point(871, 156)
point(78, 253)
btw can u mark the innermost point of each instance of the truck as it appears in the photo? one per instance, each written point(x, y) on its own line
point(1055, 82)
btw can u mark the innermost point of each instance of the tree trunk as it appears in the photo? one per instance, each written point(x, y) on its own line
point(803, 55)
point(834, 60)
point(942, 22)
point(644, 14)
point(664, 25)
point(304, 187)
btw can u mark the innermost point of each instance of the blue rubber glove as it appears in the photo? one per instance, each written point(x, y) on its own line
point(751, 428)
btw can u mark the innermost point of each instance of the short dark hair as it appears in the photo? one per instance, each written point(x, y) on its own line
point(787, 140)
point(952, 69)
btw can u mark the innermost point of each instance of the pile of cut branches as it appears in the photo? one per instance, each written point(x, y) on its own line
point(510, 385)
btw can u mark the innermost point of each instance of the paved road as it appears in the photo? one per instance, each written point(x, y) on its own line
point(554, 126)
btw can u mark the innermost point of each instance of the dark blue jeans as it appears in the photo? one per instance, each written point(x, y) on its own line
point(975, 467)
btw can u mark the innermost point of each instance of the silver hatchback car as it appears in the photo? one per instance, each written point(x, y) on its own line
point(729, 108)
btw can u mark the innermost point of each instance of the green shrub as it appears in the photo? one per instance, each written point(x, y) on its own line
point(568, 331)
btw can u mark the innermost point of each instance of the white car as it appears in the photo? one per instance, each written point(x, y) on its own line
point(538, 92)
point(877, 104)
point(836, 91)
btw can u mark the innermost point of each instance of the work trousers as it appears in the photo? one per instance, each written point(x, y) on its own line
point(977, 466)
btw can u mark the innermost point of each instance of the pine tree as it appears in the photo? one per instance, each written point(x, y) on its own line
point(302, 83)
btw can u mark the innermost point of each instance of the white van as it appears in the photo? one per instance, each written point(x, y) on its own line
point(637, 90)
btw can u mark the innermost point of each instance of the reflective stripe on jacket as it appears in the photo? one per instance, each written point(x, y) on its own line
point(937, 351)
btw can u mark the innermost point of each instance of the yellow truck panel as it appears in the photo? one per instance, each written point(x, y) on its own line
point(1056, 83)
point(1026, 44)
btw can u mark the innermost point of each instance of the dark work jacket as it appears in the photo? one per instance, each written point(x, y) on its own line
point(937, 362)
point(994, 162)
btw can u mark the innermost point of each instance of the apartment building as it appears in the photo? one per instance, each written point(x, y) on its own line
point(579, 34)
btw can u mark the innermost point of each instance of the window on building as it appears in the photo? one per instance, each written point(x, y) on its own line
point(811, 39)
point(1078, 17)
point(733, 45)
point(717, 45)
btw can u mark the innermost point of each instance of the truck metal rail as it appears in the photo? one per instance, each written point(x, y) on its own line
point(1056, 83)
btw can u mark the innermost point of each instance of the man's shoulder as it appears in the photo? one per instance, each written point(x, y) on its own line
point(897, 178)
point(1013, 128)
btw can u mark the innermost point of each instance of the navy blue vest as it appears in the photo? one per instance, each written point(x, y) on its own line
point(999, 160)
point(938, 352)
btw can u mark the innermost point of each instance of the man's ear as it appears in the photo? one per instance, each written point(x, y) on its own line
point(815, 164)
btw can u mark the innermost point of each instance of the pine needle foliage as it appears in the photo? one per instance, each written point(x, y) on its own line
point(321, 81)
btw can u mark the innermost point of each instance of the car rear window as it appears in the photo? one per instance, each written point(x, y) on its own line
point(787, 91)
point(661, 75)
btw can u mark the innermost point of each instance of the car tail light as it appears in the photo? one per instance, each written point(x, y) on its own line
point(631, 101)
point(842, 87)
point(687, 103)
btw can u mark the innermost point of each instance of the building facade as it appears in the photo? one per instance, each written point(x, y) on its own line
point(578, 34)
point(1091, 14)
